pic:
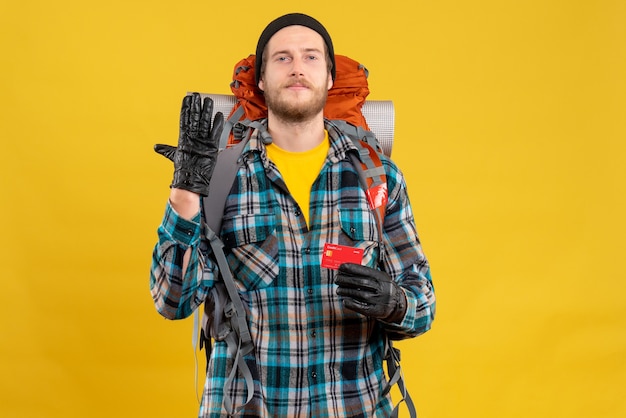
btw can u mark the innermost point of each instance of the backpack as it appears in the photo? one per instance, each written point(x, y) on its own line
point(225, 315)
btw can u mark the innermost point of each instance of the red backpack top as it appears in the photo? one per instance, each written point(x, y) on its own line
point(345, 98)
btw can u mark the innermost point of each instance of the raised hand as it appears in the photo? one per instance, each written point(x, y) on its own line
point(198, 141)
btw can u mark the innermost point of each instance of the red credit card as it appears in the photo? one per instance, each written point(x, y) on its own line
point(335, 255)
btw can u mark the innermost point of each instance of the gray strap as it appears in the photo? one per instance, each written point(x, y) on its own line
point(395, 373)
point(393, 355)
point(357, 132)
point(226, 167)
point(241, 365)
point(228, 126)
point(239, 342)
point(363, 179)
point(374, 172)
point(238, 310)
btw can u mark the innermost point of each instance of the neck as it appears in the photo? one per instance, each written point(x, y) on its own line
point(296, 136)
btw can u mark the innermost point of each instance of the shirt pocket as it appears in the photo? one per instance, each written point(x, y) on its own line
point(252, 245)
point(359, 230)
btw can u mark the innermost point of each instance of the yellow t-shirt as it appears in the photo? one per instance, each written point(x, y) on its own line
point(299, 170)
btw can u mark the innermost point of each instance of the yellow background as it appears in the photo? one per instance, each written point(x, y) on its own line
point(510, 127)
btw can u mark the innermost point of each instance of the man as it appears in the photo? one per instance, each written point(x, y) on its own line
point(319, 333)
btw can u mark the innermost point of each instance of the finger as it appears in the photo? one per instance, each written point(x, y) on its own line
point(356, 294)
point(167, 151)
point(185, 109)
point(357, 306)
point(216, 132)
point(194, 114)
point(355, 269)
point(205, 118)
point(356, 282)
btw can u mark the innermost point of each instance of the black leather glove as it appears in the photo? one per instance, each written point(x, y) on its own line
point(198, 142)
point(371, 292)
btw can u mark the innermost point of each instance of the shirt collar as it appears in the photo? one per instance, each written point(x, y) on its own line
point(340, 144)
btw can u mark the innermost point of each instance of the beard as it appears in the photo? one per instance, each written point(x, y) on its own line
point(296, 111)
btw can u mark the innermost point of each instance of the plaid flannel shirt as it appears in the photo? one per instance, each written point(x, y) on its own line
point(314, 357)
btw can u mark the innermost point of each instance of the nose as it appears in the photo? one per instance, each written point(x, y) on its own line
point(296, 67)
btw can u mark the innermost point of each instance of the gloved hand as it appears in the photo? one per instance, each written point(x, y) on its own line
point(371, 292)
point(198, 142)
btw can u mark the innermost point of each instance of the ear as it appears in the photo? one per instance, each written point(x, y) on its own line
point(329, 82)
point(260, 85)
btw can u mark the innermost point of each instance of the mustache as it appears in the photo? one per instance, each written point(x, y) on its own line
point(299, 82)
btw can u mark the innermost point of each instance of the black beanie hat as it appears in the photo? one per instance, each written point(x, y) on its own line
point(291, 20)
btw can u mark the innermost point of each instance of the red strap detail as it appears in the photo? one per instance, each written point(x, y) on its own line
point(377, 196)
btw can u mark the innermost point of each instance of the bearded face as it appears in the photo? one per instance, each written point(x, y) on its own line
point(295, 75)
point(298, 106)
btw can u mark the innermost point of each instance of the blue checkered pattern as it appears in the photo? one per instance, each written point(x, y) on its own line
point(314, 358)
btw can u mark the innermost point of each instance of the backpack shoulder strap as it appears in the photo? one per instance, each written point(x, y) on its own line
point(238, 338)
point(373, 179)
point(222, 180)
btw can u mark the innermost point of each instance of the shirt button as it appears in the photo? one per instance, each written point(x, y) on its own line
point(313, 334)
point(307, 251)
point(314, 375)
point(298, 213)
point(309, 291)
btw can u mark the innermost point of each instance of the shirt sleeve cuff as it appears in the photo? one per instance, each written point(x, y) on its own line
point(185, 232)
